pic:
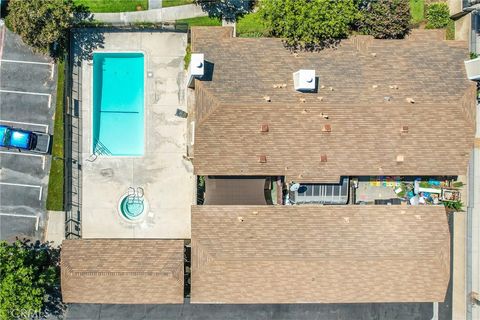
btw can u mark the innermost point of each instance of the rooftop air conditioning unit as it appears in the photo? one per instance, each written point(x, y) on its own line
point(196, 69)
point(473, 69)
point(304, 80)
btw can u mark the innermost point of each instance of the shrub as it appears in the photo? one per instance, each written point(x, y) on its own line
point(453, 206)
point(438, 15)
point(308, 24)
point(386, 19)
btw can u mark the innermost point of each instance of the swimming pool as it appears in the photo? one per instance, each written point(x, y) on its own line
point(118, 104)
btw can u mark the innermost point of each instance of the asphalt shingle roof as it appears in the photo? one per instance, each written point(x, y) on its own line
point(319, 254)
point(122, 271)
point(364, 85)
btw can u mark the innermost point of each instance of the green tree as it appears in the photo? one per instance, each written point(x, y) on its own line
point(438, 15)
point(386, 19)
point(226, 9)
point(309, 24)
point(28, 279)
point(44, 24)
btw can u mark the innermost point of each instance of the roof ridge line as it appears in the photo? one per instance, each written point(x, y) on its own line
point(118, 273)
point(216, 102)
point(338, 258)
point(203, 257)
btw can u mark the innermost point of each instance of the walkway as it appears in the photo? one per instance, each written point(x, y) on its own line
point(169, 14)
point(474, 224)
point(154, 4)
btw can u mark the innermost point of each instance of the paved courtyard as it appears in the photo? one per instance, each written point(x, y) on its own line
point(166, 177)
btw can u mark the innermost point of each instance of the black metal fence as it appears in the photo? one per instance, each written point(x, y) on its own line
point(73, 106)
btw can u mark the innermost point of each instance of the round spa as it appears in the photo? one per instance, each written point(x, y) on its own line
point(132, 208)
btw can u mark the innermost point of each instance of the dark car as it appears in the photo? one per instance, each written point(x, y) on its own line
point(13, 138)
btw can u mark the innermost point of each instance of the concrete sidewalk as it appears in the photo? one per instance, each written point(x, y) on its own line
point(55, 230)
point(169, 14)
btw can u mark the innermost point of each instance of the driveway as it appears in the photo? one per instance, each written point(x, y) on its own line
point(397, 311)
point(27, 101)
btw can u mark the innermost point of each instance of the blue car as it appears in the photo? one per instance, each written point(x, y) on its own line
point(13, 138)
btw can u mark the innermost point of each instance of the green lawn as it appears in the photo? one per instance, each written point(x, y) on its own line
point(201, 21)
point(174, 3)
point(113, 5)
point(417, 9)
point(55, 183)
point(251, 25)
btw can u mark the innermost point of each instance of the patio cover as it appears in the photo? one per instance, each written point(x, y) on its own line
point(234, 191)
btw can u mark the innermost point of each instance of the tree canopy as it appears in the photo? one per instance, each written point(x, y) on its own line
point(386, 19)
point(226, 9)
point(28, 275)
point(43, 24)
point(309, 24)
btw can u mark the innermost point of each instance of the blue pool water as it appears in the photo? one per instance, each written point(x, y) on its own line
point(118, 104)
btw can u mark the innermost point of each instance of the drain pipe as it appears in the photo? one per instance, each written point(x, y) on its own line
point(474, 5)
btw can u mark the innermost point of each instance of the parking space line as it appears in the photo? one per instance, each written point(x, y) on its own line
point(40, 188)
point(28, 62)
point(37, 218)
point(52, 65)
point(31, 93)
point(28, 155)
point(435, 311)
point(28, 124)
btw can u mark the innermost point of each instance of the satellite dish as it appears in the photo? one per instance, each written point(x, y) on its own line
point(294, 187)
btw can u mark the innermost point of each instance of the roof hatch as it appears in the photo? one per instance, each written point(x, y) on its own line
point(304, 80)
point(196, 68)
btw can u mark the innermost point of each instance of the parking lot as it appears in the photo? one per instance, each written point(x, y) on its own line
point(27, 101)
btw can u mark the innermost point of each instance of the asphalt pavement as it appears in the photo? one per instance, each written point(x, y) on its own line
point(27, 101)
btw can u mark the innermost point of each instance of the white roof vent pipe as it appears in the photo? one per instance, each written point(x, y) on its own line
point(473, 69)
point(304, 80)
point(196, 68)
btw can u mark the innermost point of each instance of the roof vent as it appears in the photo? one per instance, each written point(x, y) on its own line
point(404, 129)
point(262, 159)
point(327, 128)
point(323, 158)
point(264, 127)
point(304, 80)
point(196, 68)
point(400, 158)
point(473, 69)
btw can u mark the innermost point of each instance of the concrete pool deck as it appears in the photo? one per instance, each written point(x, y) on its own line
point(166, 177)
